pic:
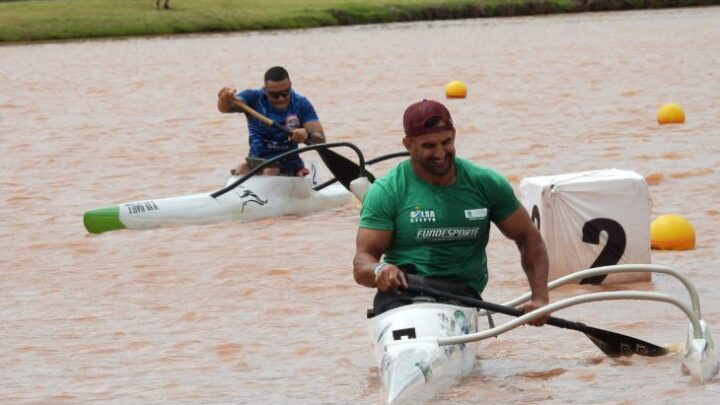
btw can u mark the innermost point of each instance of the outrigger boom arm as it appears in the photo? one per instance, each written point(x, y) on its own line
point(620, 268)
point(700, 359)
point(568, 302)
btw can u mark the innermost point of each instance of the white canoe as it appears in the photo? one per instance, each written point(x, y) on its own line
point(411, 364)
point(258, 197)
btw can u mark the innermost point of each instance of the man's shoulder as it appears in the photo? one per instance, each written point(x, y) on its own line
point(302, 105)
point(251, 92)
point(476, 170)
point(251, 96)
point(390, 181)
point(394, 174)
point(299, 98)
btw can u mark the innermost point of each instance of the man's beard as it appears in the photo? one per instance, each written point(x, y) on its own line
point(439, 168)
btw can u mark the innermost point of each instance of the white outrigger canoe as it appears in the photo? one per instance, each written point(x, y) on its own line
point(249, 197)
point(421, 348)
point(258, 197)
point(411, 364)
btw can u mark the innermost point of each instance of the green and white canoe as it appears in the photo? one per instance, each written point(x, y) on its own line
point(251, 196)
point(257, 197)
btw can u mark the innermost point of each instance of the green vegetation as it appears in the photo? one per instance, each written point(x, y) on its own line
point(29, 20)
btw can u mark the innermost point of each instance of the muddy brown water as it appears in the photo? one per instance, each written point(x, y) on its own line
point(267, 312)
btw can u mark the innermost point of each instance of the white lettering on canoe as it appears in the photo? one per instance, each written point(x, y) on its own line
point(141, 207)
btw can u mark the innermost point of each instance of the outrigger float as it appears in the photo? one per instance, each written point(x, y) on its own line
point(424, 347)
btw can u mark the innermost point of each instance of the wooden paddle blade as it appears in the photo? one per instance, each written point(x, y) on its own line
point(344, 169)
point(617, 345)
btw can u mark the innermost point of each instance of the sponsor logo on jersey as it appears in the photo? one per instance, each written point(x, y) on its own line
point(278, 146)
point(292, 121)
point(446, 234)
point(420, 215)
point(476, 214)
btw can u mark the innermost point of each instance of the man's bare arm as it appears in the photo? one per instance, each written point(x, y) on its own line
point(533, 256)
point(371, 244)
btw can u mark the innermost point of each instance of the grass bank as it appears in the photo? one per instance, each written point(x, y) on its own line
point(33, 20)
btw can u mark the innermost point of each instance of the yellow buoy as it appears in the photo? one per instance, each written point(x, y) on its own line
point(670, 113)
point(456, 89)
point(672, 232)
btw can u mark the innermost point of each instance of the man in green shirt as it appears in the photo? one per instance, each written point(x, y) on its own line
point(432, 214)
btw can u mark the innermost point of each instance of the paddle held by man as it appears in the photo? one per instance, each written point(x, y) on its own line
point(278, 101)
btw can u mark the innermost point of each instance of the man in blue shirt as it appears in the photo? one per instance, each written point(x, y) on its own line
point(279, 102)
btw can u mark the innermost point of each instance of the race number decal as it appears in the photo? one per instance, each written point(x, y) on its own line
point(614, 248)
point(314, 174)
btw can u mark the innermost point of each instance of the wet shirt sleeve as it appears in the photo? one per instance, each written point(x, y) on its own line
point(504, 200)
point(306, 111)
point(377, 210)
point(251, 97)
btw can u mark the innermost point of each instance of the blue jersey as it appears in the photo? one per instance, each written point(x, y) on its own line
point(267, 142)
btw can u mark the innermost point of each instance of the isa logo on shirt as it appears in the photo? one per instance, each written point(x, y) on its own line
point(419, 215)
point(476, 214)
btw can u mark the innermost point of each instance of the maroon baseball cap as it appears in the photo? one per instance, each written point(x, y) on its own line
point(426, 117)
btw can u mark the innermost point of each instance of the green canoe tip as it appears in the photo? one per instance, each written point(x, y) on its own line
point(103, 220)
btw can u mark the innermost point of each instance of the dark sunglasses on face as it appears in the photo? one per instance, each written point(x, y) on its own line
point(278, 94)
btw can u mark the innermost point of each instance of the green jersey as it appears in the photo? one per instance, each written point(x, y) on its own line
point(442, 230)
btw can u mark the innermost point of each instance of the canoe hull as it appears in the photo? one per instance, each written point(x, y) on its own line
point(258, 197)
point(411, 365)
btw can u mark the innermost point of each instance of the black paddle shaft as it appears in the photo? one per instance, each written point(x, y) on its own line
point(611, 343)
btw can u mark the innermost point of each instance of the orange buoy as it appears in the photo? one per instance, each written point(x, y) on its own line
point(670, 113)
point(456, 89)
point(672, 232)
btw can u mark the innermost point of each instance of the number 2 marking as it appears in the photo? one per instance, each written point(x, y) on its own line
point(614, 248)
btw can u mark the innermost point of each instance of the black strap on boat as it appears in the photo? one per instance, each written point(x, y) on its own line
point(385, 301)
point(442, 285)
point(448, 287)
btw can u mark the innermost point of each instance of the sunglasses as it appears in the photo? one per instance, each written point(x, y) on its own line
point(278, 94)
